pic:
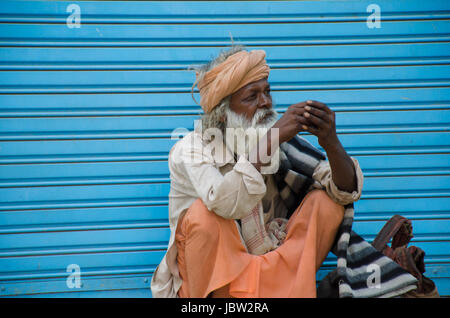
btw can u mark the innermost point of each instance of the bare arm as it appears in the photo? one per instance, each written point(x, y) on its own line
point(322, 123)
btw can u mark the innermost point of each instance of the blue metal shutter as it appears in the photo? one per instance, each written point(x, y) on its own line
point(86, 116)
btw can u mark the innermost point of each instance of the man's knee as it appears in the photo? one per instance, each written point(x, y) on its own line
point(322, 196)
point(329, 209)
point(200, 221)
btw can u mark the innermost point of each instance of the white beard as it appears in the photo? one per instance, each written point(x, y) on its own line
point(242, 135)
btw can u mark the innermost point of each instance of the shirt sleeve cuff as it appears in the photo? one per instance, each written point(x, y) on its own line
point(252, 178)
point(323, 175)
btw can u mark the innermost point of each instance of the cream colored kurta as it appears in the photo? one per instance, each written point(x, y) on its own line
point(230, 189)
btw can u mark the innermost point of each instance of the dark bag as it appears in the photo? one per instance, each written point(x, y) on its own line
point(409, 258)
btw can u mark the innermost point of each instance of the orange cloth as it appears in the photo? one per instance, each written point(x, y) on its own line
point(235, 72)
point(212, 259)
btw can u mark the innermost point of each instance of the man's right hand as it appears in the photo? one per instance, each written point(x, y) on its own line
point(290, 124)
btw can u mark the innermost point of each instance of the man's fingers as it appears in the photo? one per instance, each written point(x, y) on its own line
point(302, 120)
point(309, 128)
point(297, 107)
point(298, 111)
point(318, 113)
point(301, 104)
point(319, 105)
point(316, 121)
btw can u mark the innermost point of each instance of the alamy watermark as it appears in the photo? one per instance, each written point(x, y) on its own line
point(74, 19)
point(252, 143)
point(74, 278)
point(374, 19)
point(374, 279)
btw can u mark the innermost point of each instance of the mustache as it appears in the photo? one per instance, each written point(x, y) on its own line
point(262, 118)
point(264, 115)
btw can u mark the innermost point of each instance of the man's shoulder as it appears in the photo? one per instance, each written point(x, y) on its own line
point(188, 141)
point(191, 144)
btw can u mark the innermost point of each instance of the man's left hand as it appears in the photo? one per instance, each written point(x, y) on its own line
point(322, 123)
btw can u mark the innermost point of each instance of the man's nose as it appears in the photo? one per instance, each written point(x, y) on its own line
point(264, 101)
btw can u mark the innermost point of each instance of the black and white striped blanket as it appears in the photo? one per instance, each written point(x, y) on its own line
point(361, 270)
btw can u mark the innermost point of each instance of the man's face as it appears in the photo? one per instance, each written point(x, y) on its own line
point(250, 107)
point(247, 100)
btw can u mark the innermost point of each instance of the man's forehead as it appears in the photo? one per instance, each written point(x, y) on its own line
point(261, 83)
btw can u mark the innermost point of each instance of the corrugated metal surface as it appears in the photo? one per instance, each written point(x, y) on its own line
point(86, 116)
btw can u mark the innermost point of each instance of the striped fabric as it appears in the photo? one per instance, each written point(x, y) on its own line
point(256, 238)
point(298, 159)
point(361, 270)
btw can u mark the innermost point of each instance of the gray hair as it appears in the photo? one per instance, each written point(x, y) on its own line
point(218, 116)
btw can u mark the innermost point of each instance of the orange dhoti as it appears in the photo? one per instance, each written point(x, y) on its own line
point(212, 259)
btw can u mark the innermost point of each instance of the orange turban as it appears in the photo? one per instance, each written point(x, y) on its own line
point(235, 72)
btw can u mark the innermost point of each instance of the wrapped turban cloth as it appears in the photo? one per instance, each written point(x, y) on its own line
point(235, 72)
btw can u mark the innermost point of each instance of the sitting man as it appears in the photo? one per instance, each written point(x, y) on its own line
point(217, 193)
